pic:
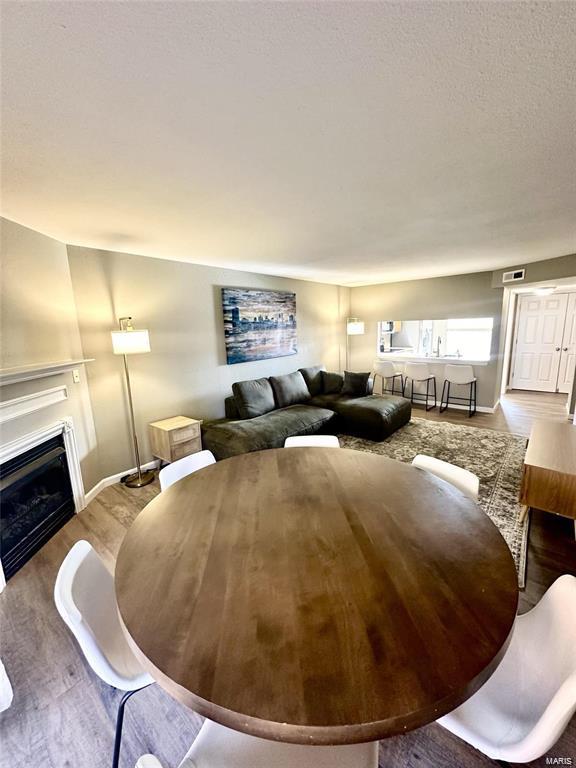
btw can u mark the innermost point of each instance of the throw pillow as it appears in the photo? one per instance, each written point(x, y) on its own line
point(331, 383)
point(289, 389)
point(254, 397)
point(313, 379)
point(355, 384)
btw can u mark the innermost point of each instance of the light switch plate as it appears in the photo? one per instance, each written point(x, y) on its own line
point(76, 376)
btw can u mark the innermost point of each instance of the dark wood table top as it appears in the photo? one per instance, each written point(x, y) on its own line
point(316, 595)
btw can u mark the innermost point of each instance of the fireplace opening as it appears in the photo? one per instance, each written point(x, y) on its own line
point(36, 501)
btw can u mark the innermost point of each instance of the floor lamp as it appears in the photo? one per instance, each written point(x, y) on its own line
point(129, 341)
point(354, 327)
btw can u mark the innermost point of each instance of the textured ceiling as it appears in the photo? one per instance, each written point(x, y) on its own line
point(346, 142)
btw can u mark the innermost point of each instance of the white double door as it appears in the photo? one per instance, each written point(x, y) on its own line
point(545, 345)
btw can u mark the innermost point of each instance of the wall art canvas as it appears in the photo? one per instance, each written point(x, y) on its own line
point(258, 324)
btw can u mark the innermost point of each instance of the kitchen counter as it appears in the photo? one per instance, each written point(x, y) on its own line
point(411, 357)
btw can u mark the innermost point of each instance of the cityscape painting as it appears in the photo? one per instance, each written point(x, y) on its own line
point(258, 324)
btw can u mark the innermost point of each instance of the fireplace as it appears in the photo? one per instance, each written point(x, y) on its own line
point(37, 499)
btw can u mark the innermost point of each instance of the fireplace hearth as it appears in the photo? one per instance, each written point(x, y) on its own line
point(36, 501)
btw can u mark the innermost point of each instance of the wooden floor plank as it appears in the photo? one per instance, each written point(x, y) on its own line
point(64, 717)
point(516, 412)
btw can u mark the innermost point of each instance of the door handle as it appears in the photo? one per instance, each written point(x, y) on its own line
point(564, 349)
point(557, 349)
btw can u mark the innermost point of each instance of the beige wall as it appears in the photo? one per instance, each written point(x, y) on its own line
point(549, 269)
point(186, 372)
point(434, 299)
point(38, 324)
point(37, 305)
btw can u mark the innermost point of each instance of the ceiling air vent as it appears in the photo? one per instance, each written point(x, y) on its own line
point(513, 276)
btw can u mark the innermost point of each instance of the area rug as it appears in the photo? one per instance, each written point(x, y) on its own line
point(496, 457)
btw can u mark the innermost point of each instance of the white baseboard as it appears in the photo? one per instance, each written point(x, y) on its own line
point(112, 479)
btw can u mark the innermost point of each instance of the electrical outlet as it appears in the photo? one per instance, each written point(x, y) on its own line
point(76, 376)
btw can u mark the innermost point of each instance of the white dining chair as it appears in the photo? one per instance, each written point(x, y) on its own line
point(386, 370)
point(312, 441)
point(219, 747)
point(460, 375)
point(85, 599)
point(462, 479)
point(6, 692)
point(521, 711)
point(419, 373)
point(183, 467)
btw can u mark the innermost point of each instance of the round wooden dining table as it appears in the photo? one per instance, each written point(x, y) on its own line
point(316, 595)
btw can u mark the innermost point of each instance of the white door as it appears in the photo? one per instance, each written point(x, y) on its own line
point(538, 346)
point(568, 354)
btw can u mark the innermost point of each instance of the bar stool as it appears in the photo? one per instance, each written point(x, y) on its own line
point(386, 370)
point(419, 373)
point(461, 375)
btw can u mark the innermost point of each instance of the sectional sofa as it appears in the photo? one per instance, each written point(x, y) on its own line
point(262, 413)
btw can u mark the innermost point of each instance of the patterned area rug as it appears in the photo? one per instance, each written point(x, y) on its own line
point(496, 457)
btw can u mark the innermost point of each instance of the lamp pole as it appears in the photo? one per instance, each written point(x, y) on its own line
point(347, 347)
point(138, 478)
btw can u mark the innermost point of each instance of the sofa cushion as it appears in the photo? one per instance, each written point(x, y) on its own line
point(313, 378)
point(230, 438)
point(355, 384)
point(331, 383)
point(327, 401)
point(254, 397)
point(289, 389)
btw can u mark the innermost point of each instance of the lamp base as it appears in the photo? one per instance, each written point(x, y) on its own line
point(137, 481)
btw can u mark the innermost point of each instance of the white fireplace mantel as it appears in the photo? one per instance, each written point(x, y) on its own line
point(22, 406)
point(39, 370)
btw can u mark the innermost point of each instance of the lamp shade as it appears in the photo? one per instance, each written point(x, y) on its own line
point(130, 342)
point(354, 327)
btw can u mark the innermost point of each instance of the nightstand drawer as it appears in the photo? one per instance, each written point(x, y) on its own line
point(179, 450)
point(185, 433)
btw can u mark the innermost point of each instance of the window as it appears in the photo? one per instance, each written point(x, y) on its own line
point(469, 338)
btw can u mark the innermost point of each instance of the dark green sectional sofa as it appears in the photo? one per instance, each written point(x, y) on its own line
point(262, 413)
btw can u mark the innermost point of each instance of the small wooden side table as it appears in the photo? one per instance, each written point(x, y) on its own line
point(549, 473)
point(174, 438)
